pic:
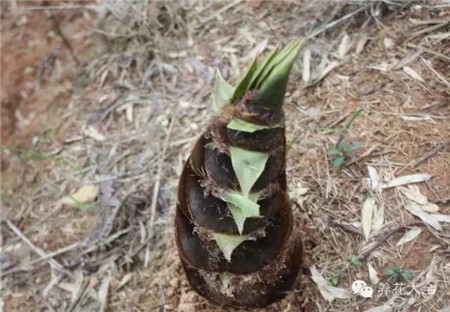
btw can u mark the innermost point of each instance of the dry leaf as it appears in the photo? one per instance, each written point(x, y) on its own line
point(430, 219)
point(344, 46)
point(430, 207)
point(93, 133)
point(408, 179)
point(383, 308)
point(388, 43)
point(330, 67)
point(373, 275)
point(374, 177)
point(103, 292)
point(378, 219)
point(412, 73)
point(414, 194)
point(409, 235)
point(306, 75)
point(328, 291)
point(441, 217)
point(84, 195)
point(361, 43)
point(408, 58)
point(366, 216)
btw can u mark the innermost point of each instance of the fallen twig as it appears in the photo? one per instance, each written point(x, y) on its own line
point(55, 264)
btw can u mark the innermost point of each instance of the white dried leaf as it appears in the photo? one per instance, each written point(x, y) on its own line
point(103, 292)
point(93, 133)
point(323, 73)
point(430, 219)
point(373, 275)
point(408, 179)
point(414, 194)
point(84, 195)
point(378, 219)
point(383, 308)
point(306, 75)
point(374, 177)
point(388, 43)
point(366, 216)
point(442, 217)
point(412, 73)
point(409, 236)
point(344, 46)
point(361, 43)
point(328, 291)
point(430, 207)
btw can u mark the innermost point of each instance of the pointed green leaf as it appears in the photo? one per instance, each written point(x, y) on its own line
point(242, 125)
point(228, 243)
point(273, 88)
point(248, 166)
point(238, 216)
point(339, 161)
point(335, 151)
point(273, 62)
point(247, 205)
point(241, 207)
point(223, 92)
point(243, 85)
point(264, 68)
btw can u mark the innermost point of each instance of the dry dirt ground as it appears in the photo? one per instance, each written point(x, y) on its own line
point(126, 92)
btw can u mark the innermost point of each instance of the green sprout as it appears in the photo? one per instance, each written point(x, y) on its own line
point(343, 153)
point(334, 280)
point(356, 261)
point(397, 273)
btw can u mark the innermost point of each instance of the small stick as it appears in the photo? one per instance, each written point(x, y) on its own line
point(426, 156)
point(332, 24)
point(345, 226)
point(55, 264)
point(385, 237)
point(158, 182)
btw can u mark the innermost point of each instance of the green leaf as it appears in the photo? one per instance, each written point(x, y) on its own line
point(238, 216)
point(353, 147)
point(241, 207)
point(248, 166)
point(273, 88)
point(334, 151)
point(264, 68)
point(222, 94)
point(390, 271)
point(228, 243)
point(407, 275)
point(355, 261)
point(248, 204)
point(242, 125)
point(244, 84)
point(339, 161)
point(4, 199)
point(334, 280)
point(273, 61)
point(352, 119)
